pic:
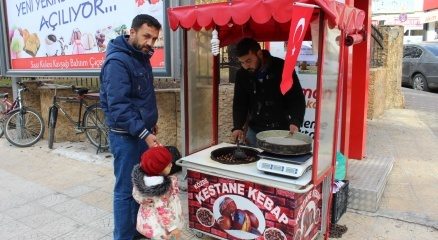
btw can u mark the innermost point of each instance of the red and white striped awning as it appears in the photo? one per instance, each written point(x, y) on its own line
point(264, 20)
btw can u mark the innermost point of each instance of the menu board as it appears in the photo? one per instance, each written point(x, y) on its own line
point(73, 35)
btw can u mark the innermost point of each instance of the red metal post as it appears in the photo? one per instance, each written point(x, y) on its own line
point(215, 107)
point(359, 88)
point(346, 96)
point(186, 96)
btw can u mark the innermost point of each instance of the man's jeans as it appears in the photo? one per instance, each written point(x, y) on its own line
point(127, 151)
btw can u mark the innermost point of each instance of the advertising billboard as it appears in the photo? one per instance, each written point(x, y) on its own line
point(396, 6)
point(2, 54)
point(53, 37)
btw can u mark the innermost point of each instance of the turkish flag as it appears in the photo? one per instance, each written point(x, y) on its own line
point(298, 27)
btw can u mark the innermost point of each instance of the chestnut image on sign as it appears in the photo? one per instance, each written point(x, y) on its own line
point(227, 207)
point(253, 219)
point(233, 218)
point(241, 221)
point(205, 217)
point(274, 234)
point(224, 222)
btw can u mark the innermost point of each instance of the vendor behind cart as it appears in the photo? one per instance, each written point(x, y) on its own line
point(258, 103)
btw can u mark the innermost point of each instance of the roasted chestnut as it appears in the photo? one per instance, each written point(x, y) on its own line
point(224, 222)
point(227, 207)
point(253, 219)
point(241, 221)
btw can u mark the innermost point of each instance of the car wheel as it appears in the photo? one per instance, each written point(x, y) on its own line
point(419, 82)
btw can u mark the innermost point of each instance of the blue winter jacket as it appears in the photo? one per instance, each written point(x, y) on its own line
point(126, 92)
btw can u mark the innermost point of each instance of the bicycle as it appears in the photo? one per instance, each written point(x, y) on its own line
point(92, 123)
point(21, 125)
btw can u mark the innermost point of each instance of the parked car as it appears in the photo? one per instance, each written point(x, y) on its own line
point(420, 65)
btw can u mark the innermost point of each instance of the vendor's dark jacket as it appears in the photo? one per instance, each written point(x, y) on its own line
point(261, 101)
point(127, 93)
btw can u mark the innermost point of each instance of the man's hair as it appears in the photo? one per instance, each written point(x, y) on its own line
point(245, 45)
point(141, 19)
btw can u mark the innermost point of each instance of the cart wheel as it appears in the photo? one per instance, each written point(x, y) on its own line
point(199, 234)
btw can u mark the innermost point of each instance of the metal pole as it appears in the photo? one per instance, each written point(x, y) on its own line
point(14, 86)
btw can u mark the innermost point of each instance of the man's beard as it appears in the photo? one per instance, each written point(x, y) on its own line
point(259, 63)
point(140, 47)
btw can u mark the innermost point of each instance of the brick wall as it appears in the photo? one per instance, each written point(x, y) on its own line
point(169, 117)
point(226, 94)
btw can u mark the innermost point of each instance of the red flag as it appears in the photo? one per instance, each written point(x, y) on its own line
point(298, 27)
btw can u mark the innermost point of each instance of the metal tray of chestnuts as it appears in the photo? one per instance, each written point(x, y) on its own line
point(282, 142)
point(224, 155)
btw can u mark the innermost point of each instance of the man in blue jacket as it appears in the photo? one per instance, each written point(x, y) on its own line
point(128, 99)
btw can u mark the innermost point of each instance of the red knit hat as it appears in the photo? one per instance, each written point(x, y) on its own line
point(155, 160)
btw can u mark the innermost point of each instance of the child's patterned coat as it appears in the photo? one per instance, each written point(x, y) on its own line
point(160, 206)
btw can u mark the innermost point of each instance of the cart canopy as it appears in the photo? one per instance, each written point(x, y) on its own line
point(263, 20)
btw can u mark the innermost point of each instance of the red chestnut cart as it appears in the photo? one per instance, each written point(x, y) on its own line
point(239, 201)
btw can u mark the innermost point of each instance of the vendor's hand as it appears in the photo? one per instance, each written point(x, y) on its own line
point(237, 135)
point(175, 234)
point(293, 129)
point(151, 141)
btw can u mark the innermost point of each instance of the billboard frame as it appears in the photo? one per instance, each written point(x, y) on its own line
point(2, 53)
point(167, 71)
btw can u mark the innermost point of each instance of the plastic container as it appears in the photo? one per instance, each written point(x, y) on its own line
point(341, 166)
point(339, 203)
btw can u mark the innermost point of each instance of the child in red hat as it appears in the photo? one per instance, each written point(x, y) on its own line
point(160, 214)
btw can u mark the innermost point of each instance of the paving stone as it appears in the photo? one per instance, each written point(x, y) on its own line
point(12, 228)
point(60, 227)
point(41, 218)
point(24, 210)
point(53, 199)
point(83, 233)
point(10, 202)
point(104, 224)
point(79, 211)
point(31, 235)
point(4, 219)
point(77, 191)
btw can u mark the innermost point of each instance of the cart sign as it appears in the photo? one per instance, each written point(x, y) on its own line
point(232, 209)
point(74, 34)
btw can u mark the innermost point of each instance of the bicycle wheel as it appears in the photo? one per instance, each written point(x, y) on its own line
point(2, 128)
point(24, 127)
point(3, 109)
point(95, 127)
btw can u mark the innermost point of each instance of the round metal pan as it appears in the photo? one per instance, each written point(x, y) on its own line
point(282, 142)
point(224, 155)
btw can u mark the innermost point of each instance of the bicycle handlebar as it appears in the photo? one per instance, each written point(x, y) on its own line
point(78, 90)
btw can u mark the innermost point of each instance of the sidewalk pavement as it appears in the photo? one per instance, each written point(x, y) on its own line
point(66, 193)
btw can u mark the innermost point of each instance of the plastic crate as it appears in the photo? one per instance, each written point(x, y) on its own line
point(339, 203)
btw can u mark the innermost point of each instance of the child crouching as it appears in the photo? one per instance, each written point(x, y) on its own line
point(160, 214)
